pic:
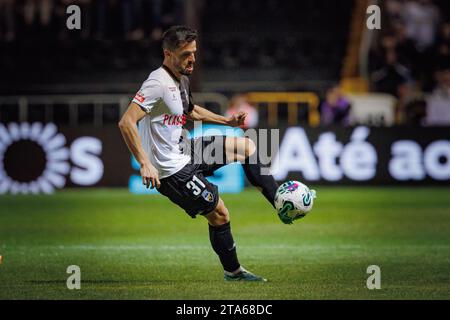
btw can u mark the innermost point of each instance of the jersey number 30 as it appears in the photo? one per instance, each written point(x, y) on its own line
point(196, 185)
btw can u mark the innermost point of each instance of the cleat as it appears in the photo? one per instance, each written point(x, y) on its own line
point(243, 275)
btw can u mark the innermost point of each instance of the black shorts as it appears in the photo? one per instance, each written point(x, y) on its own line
point(188, 188)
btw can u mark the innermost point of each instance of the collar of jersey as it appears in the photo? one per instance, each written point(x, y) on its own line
point(174, 77)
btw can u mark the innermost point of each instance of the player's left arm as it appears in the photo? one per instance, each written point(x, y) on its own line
point(201, 114)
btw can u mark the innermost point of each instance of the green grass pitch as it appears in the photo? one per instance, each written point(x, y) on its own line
point(144, 247)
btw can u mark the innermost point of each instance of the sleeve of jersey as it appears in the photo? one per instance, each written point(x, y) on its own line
point(149, 95)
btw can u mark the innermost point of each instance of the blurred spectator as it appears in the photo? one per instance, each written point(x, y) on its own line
point(156, 19)
point(387, 43)
point(442, 56)
point(133, 15)
point(7, 20)
point(410, 50)
point(414, 112)
point(106, 14)
point(41, 8)
point(240, 103)
point(335, 109)
point(421, 18)
point(162, 18)
point(392, 77)
point(405, 48)
point(438, 108)
point(137, 19)
point(393, 9)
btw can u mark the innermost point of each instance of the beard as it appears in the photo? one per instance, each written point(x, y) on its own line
point(185, 71)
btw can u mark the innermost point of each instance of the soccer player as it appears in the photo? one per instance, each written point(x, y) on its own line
point(176, 165)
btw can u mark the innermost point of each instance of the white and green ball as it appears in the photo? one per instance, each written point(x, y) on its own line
point(295, 198)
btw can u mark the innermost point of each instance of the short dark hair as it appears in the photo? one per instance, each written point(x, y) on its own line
point(176, 36)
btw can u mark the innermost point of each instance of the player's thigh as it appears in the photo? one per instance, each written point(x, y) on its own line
point(219, 215)
point(239, 148)
point(208, 152)
point(191, 191)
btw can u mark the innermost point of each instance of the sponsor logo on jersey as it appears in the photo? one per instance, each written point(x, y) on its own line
point(139, 97)
point(174, 120)
point(173, 88)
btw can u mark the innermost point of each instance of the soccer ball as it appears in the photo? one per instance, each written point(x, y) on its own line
point(293, 200)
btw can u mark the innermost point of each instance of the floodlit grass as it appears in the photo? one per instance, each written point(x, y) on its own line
point(145, 247)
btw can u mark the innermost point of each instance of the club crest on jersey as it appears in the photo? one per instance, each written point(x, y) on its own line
point(208, 196)
point(139, 97)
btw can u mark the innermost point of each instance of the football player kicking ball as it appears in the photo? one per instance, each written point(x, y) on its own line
point(177, 166)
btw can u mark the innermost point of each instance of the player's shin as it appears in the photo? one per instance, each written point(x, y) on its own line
point(224, 246)
point(262, 179)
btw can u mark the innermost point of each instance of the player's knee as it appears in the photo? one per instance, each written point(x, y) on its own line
point(220, 215)
point(223, 215)
point(250, 147)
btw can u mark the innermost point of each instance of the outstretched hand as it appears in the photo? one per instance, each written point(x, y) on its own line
point(237, 119)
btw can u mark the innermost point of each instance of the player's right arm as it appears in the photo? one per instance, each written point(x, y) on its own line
point(129, 130)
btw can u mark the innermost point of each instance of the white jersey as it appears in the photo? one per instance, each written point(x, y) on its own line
point(166, 102)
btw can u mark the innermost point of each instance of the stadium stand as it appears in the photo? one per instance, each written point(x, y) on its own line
point(287, 42)
point(277, 46)
point(410, 58)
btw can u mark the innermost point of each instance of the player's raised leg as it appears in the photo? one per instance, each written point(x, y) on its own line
point(244, 150)
point(224, 245)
